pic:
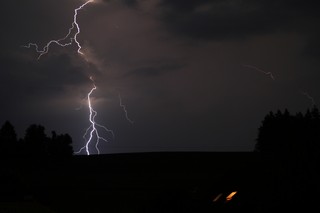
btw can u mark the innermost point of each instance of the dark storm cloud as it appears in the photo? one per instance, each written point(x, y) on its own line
point(181, 93)
point(42, 79)
point(154, 71)
point(130, 2)
point(34, 21)
point(312, 48)
point(40, 91)
point(234, 19)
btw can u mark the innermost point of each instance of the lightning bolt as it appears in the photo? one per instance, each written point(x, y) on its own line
point(62, 41)
point(271, 76)
point(309, 97)
point(92, 132)
point(260, 70)
point(124, 109)
point(71, 37)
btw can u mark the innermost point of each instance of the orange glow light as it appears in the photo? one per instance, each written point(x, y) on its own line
point(229, 197)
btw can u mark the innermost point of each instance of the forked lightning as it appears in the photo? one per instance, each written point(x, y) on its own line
point(92, 133)
point(92, 130)
point(65, 41)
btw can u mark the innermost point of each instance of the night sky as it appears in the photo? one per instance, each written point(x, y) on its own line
point(191, 74)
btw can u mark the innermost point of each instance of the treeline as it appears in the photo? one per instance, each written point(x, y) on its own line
point(289, 145)
point(34, 144)
point(290, 136)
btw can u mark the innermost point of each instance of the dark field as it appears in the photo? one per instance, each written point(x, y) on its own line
point(137, 182)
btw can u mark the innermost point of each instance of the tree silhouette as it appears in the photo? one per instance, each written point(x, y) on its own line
point(35, 141)
point(34, 144)
point(22, 160)
point(8, 140)
point(289, 145)
point(283, 135)
point(60, 145)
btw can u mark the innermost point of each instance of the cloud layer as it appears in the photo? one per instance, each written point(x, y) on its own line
point(178, 66)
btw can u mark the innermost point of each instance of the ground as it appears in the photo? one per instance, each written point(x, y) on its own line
point(137, 182)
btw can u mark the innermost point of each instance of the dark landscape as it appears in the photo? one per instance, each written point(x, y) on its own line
point(42, 174)
point(136, 182)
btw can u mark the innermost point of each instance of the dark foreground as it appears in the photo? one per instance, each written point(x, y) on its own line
point(140, 182)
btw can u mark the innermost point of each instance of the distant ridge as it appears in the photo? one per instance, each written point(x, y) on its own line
point(171, 160)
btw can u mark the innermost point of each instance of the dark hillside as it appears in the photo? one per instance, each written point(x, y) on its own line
point(136, 182)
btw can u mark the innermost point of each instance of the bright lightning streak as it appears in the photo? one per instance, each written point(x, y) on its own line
point(124, 109)
point(61, 42)
point(260, 70)
point(70, 38)
point(92, 130)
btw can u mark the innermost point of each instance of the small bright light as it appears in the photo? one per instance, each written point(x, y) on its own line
point(217, 197)
point(229, 197)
